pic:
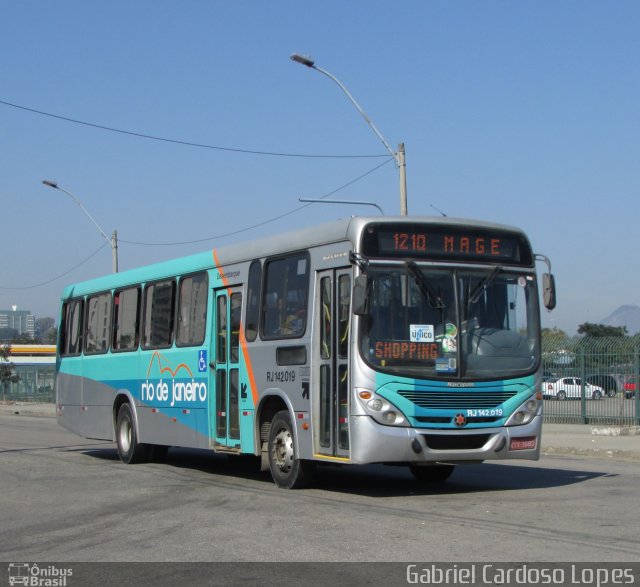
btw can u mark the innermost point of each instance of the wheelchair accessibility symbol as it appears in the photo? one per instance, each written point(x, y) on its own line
point(202, 361)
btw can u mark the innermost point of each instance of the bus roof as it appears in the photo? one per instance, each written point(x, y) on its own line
point(331, 232)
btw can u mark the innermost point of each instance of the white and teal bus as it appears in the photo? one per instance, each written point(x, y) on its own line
point(397, 340)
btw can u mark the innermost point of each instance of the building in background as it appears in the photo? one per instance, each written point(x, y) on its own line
point(15, 323)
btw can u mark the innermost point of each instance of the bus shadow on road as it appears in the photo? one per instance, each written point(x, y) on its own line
point(392, 481)
point(372, 480)
point(196, 460)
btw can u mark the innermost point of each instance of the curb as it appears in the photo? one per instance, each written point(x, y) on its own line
point(28, 409)
point(615, 431)
point(600, 453)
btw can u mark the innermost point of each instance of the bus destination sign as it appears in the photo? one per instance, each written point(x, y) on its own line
point(445, 242)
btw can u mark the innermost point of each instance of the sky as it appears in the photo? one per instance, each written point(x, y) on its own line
point(524, 113)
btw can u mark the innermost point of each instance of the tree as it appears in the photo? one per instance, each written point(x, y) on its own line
point(598, 330)
point(23, 339)
point(50, 336)
point(553, 333)
point(7, 370)
point(553, 338)
point(43, 325)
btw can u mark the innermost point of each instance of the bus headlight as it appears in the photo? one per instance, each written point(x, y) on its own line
point(380, 409)
point(526, 412)
point(376, 404)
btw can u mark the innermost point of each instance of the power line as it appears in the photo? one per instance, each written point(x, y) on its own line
point(61, 275)
point(200, 240)
point(246, 228)
point(186, 143)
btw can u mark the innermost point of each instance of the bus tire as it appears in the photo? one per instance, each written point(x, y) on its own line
point(130, 450)
point(431, 473)
point(287, 470)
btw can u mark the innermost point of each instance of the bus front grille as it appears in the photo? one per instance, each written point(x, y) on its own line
point(457, 400)
point(448, 420)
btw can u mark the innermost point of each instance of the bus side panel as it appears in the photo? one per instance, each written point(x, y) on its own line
point(69, 400)
point(171, 397)
point(99, 394)
point(76, 411)
point(170, 426)
point(96, 414)
point(69, 383)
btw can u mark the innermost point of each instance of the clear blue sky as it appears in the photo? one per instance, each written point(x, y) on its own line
point(524, 113)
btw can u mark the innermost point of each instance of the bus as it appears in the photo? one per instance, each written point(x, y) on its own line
point(398, 340)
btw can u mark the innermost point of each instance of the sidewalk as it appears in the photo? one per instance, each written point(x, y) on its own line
point(557, 439)
point(27, 409)
point(617, 442)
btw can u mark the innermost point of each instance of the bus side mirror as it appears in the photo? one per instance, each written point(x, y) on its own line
point(360, 296)
point(549, 291)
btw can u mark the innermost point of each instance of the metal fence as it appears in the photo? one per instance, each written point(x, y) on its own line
point(573, 366)
point(611, 363)
point(46, 395)
point(36, 384)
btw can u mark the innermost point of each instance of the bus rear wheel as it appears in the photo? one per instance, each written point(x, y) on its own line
point(431, 473)
point(130, 450)
point(286, 469)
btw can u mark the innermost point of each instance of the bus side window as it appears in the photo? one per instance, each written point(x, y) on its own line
point(192, 310)
point(285, 297)
point(236, 312)
point(126, 318)
point(71, 337)
point(157, 329)
point(344, 298)
point(253, 301)
point(98, 324)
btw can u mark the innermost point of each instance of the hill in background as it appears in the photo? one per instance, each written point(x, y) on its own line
point(627, 315)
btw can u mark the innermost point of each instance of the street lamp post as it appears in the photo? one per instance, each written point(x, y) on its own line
point(113, 241)
point(398, 156)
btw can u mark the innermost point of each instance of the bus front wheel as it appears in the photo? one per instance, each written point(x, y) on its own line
point(129, 449)
point(286, 469)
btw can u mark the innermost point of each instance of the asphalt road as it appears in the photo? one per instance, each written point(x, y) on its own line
point(69, 499)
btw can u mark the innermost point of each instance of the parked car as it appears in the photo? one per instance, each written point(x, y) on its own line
point(607, 382)
point(570, 387)
point(630, 387)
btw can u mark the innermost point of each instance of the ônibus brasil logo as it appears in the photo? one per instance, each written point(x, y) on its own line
point(38, 576)
point(177, 390)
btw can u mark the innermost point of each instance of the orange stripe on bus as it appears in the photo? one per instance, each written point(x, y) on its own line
point(247, 361)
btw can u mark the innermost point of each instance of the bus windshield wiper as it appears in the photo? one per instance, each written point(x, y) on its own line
point(433, 299)
point(488, 280)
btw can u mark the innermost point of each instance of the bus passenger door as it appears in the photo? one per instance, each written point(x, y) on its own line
point(224, 400)
point(331, 355)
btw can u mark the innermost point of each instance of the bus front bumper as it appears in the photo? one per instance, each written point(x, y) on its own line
point(375, 443)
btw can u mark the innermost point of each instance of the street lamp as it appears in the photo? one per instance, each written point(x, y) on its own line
point(113, 241)
point(356, 202)
point(398, 156)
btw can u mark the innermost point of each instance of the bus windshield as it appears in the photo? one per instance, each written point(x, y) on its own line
point(451, 323)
